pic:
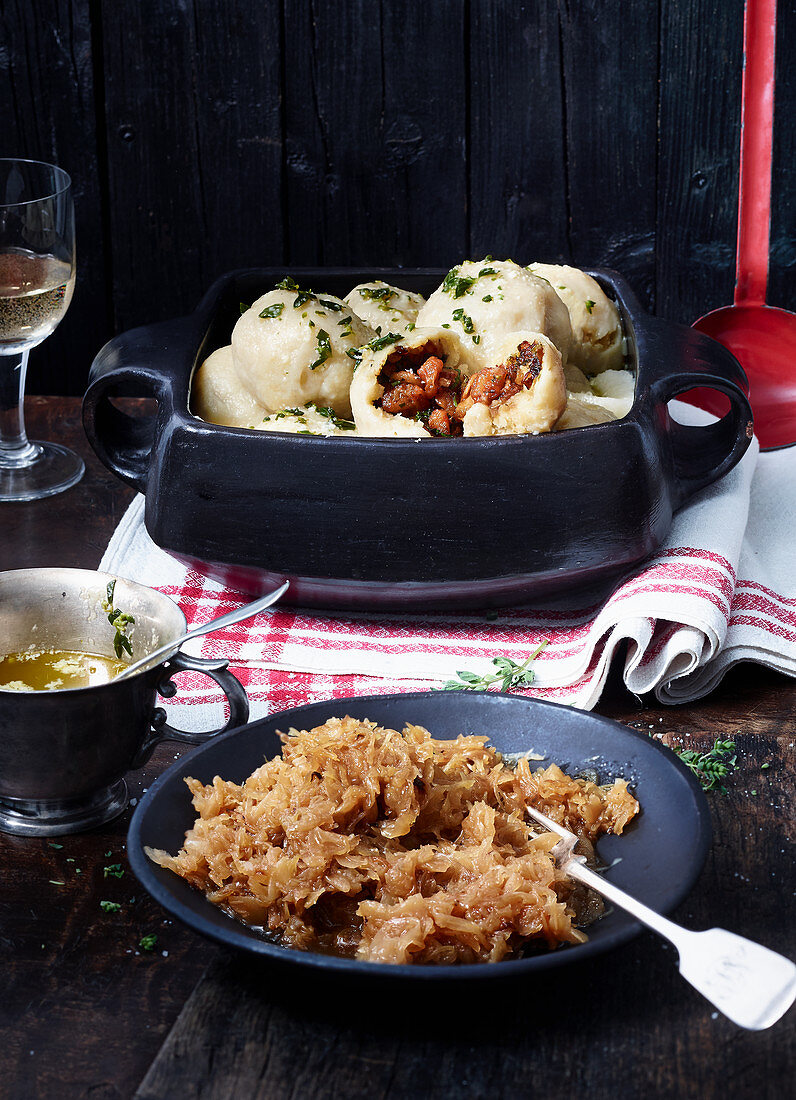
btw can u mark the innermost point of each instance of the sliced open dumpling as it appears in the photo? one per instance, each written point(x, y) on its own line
point(485, 301)
point(596, 326)
point(218, 396)
point(410, 386)
point(291, 347)
point(523, 392)
point(385, 308)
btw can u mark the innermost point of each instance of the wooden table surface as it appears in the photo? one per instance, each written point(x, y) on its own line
point(86, 1012)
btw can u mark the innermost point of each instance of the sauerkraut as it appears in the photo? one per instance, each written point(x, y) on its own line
point(395, 847)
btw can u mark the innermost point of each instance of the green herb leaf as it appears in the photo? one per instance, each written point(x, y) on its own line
point(113, 870)
point(287, 284)
point(52, 844)
point(457, 285)
point(110, 906)
point(487, 271)
point(324, 348)
point(273, 311)
point(120, 621)
point(243, 307)
point(509, 675)
point(374, 293)
point(336, 307)
point(711, 768)
point(147, 943)
point(589, 305)
point(463, 319)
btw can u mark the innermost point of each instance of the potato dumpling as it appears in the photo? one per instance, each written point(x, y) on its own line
point(291, 347)
point(218, 397)
point(385, 308)
point(596, 326)
point(410, 386)
point(523, 392)
point(484, 301)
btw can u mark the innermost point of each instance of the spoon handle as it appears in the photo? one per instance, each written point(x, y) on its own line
point(757, 121)
point(750, 984)
point(244, 612)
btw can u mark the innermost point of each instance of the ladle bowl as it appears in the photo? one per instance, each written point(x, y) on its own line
point(763, 339)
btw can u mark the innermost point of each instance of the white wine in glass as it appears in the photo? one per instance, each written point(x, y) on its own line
point(37, 278)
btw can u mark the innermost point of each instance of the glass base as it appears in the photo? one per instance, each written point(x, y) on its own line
point(56, 468)
point(62, 816)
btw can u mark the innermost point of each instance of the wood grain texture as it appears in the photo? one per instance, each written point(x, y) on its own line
point(517, 140)
point(194, 148)
point(610, 81)
point(375, 107)
point(782, 265)
point(622, 1025)
point(47, 106)
point(700, 116)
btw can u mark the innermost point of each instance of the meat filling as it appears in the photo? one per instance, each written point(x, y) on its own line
point(418, 385)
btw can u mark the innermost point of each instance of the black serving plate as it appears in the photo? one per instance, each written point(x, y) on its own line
point(397, 524)
point(658, 858)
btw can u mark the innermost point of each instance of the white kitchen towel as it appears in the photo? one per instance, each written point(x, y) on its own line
point(722, 589)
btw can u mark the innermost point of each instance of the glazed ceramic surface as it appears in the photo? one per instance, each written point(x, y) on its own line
point(658, 858)
point(396, 523)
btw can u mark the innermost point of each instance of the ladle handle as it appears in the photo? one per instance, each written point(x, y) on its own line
point(757, 119)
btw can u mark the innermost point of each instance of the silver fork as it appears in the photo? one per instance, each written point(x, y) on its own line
point(753, 986)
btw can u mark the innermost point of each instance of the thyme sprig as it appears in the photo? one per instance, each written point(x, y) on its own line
point(711, 768)
point(119, 620)
point(509, 675)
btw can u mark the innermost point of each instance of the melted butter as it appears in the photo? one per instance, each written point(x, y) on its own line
point(55, 670)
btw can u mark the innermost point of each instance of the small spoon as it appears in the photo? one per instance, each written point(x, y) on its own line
point(761, 337)
point(170, 648)
point(753, 986)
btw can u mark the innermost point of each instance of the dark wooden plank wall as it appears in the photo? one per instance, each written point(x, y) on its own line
point(208, 135)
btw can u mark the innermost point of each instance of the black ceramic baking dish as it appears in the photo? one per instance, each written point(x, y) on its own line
point(396, 523)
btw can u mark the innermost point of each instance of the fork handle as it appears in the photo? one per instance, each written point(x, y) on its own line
point(674, 933)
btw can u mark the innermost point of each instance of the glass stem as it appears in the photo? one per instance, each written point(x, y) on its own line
point(16, 450)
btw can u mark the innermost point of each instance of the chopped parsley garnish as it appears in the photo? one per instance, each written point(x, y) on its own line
point(711, 768)
point(119, 621)
point(457, 285)
point(509, 675)
point(372, 293)
point(486, 271)
point(52, 844)
point(376, 344)
point(344, 320)
point(336, 307)
point(242, 307)
point(476, 339)
point(287, 284)
point(110, 906)
point(113, 870)
point(487, 298)
point(331, 415)
point(147, 943)
point(410, 327)
point(355, 354)
point(273, 311)
point(465, 321)
point(589, 305)
point(324, 348)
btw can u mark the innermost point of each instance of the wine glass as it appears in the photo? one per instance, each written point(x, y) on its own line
point(37, 277)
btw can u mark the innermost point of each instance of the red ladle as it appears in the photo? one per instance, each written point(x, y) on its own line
point(762, 338)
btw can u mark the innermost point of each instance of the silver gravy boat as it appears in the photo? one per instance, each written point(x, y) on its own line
point(63, 754)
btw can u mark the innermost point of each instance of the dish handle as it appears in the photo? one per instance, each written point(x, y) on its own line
point(703, 454)
point(144, 362)
point(217, 670)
